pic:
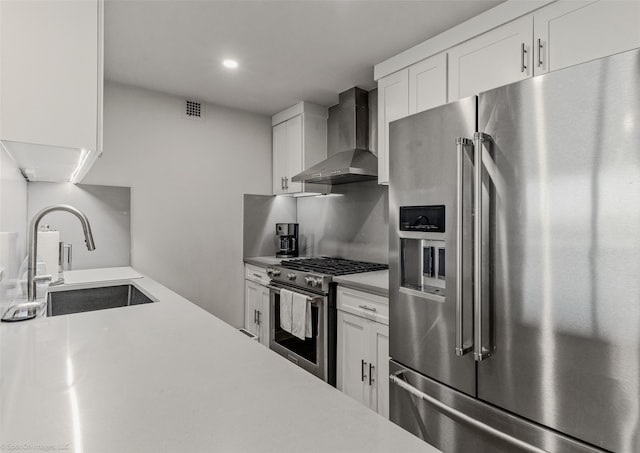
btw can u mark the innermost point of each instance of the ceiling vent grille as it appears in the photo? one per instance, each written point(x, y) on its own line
point(193, 109)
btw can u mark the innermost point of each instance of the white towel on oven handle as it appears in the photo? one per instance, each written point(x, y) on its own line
point(286, 302)
point(299, 309)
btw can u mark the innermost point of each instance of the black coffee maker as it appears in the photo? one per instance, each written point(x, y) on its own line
point(287, 240)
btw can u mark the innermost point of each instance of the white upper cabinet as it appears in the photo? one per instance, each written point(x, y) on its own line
point(414, 89)
point(299, 142)
point(51, 82)
point(572, 32)
point(393, 104)
point(498, 57)
point(428, 84)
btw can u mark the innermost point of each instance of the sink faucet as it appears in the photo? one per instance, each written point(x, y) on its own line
point(33, 242)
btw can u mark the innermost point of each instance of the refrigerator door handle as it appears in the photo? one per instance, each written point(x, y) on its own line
point(459, 416)
point(479, 352)
point(461, 347)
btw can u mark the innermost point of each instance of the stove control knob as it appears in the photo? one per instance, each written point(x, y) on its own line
point(317, 282)
point(275, 272)
point(308, 280)
point(269, 271)
point(291, 276)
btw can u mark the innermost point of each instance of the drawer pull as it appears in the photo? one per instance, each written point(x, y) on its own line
point(257, 275)
point(364, 307)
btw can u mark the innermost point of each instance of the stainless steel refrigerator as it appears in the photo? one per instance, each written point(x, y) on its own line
point(515, 265)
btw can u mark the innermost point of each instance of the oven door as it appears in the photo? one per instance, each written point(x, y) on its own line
point(310, 353)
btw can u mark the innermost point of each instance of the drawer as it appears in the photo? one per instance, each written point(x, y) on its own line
point(256, 274)
point(360, 303)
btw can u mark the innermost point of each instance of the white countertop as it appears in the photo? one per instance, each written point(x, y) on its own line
point(374, 282)
point(263, 260)
point(169, 377)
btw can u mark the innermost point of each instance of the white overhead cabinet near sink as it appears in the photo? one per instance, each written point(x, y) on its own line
point(299, 142)
point(509, 43)
point(51, 81)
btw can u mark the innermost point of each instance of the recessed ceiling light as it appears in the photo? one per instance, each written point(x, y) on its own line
point(231, 64)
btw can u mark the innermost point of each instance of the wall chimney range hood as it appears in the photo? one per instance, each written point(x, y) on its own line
point(354, 162)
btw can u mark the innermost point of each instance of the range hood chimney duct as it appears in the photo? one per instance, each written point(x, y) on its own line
point(354, 162)
point(353, 119)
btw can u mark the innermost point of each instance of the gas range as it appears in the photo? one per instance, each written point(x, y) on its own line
point(313, 279)
point(316, 274)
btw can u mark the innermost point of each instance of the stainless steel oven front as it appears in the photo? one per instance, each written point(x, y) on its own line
point(310, 353)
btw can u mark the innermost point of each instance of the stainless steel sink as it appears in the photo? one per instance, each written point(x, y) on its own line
point(70, 301)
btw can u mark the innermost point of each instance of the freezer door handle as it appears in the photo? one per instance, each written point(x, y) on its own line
point(479, 352)
point(400, 380)
point(461, 347)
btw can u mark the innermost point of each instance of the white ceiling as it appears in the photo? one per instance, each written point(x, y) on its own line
point(289, 51)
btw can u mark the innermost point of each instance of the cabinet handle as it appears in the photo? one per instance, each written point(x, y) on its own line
point(364, 307)
point(363, 365)
point(255, 316)
point(539, 53)
point(371, 379)
point(286, 183)
point(258, 275)
point(523, 54)
point(282, 183)
point(259, 313)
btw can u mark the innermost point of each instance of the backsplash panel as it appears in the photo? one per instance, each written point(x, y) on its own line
point(351, 223)
point(13, 224)
point(108, 209)
point(261, 213)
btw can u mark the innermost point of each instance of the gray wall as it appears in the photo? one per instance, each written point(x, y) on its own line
point(108, 210)
point(187, 180)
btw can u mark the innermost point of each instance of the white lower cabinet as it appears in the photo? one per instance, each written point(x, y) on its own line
point(256, 303)
point(363, 352)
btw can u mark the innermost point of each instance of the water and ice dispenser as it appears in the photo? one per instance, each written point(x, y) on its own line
point(422, 256)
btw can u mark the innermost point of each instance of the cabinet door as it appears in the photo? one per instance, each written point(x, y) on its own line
point(252, 297)
point(263, 317)
point(49, 73)
point(428, 83)
point(352, 369)
point(294, 153)
point(378, 356)
point(280, 163)
point(393, 104)
point(572, 32)
point(493, 59)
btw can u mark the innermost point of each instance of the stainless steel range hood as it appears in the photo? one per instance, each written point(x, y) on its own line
point(354, 162)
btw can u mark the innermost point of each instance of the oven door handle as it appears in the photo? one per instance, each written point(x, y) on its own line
point(313, 300)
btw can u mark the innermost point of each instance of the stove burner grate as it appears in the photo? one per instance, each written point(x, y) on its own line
point(332, 266)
